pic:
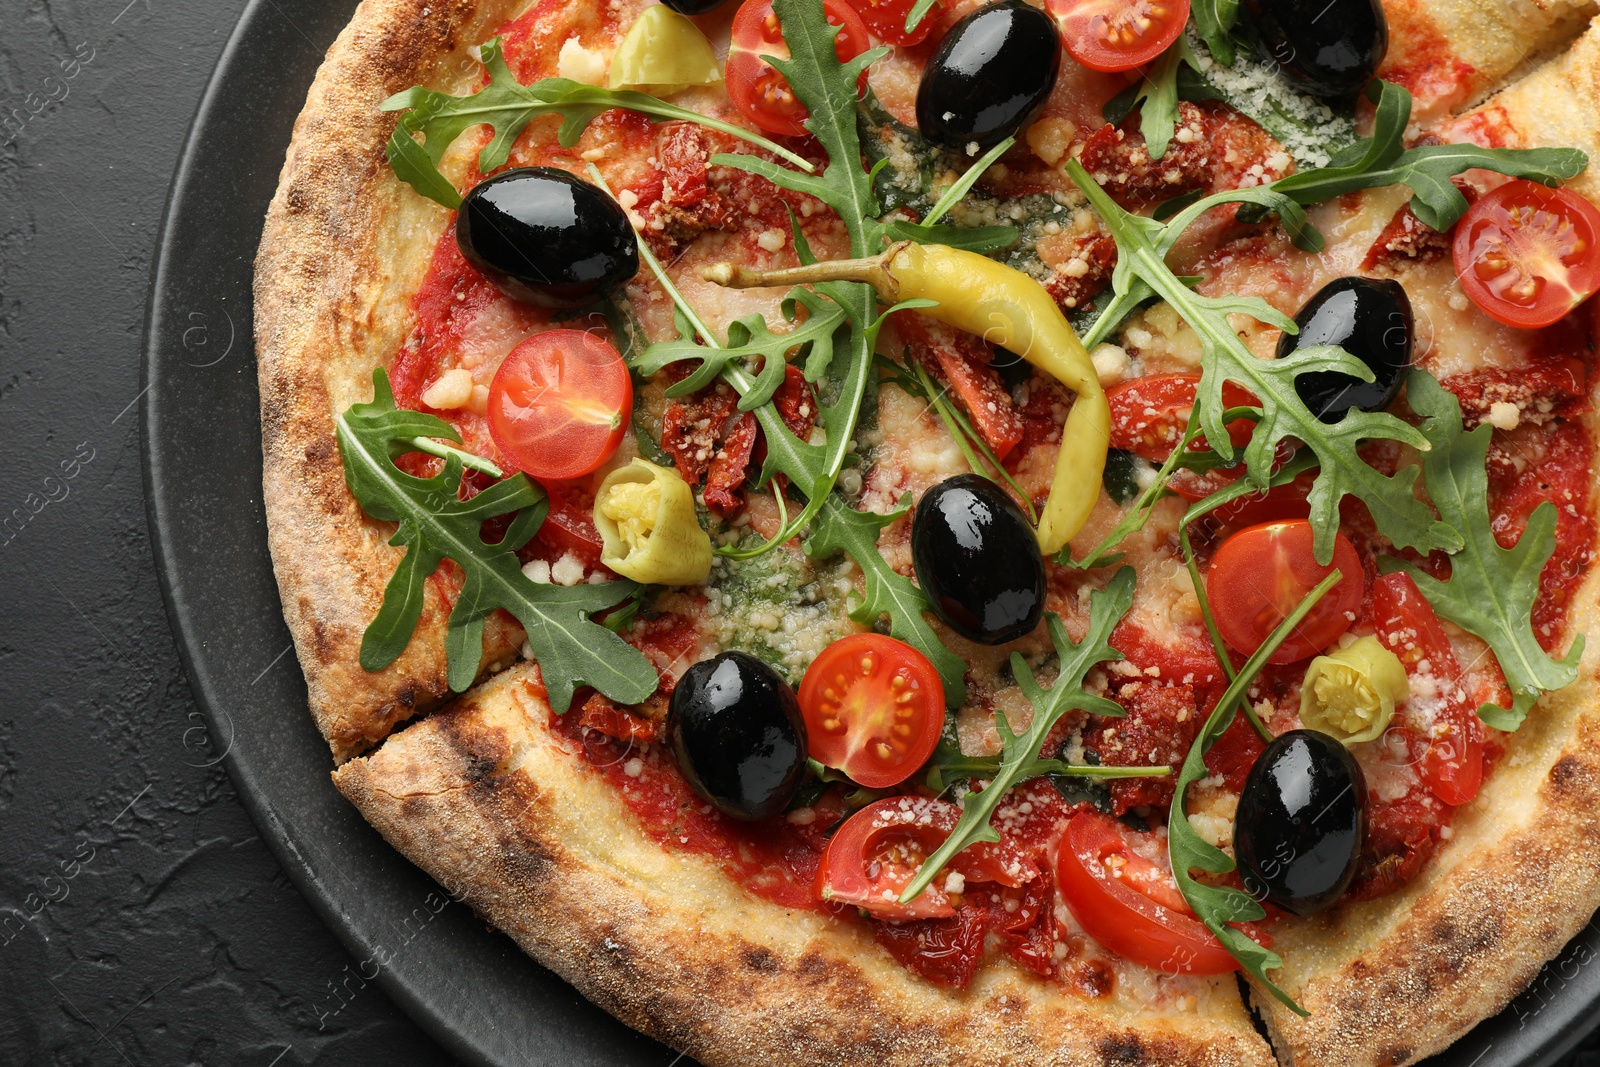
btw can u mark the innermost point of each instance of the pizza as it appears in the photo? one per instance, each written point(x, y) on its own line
point(889, 532)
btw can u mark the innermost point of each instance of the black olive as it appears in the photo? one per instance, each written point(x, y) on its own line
point(546, 237)
point(694, 7)
point(991, 74)
point(1301, 822)
point(736, 730)
point(978, 560)
point(1012, 368)
point(1330, 49)
point(1369, 319)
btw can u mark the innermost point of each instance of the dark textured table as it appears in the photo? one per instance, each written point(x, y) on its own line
point(142, 919)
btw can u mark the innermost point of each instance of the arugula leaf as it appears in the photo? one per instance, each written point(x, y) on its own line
point(1213, 19)
point(839, 527)
point(1141, 271)
point(1171, 78)
point(748, 338)
point(1217, 905)
point(828, 90)
point(1491, 590)
point(1382, 160)
point(980, 239)
point(1019, 755)
point(508, 106)
point(434, 526)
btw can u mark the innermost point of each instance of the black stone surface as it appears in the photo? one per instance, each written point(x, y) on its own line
point(143, 919)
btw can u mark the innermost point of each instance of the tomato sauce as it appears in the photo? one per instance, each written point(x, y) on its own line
point(776, 859)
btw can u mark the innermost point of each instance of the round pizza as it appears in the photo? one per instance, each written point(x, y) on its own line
point(901, 532)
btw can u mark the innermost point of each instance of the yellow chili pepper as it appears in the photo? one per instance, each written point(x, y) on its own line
point(1003, 306)
point(661, 53)
point(645, 515)
point(1351, 694)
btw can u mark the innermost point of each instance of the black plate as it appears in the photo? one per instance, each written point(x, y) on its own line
point(469, 986)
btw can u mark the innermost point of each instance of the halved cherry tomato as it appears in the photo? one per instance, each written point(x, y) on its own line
point(1129, 903)
point(1118, 34)
point(755, 86)
point(874, 709)
point(1528, 254)
point(1148, 415)
point(876, 853)
point(1260, 575)
point(887, 20)
point(1445, 718)
point(559, 404)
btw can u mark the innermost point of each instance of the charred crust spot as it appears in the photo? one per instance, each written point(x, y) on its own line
point(1394, 1055)
point(1122, 1049)
point(1459, 945)
point(406, 697)
point(481, 749)
point(760, 960)
point(1568, 774)
point(814, 965)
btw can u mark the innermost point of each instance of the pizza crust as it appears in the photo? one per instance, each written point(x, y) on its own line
point(510, 818)
point(345, 246)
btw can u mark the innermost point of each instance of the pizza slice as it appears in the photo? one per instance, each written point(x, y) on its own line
point(609, 874)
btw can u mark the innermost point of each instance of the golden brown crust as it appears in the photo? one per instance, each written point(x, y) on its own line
point(489, 801)
point(1487, 41)
point(345, 246)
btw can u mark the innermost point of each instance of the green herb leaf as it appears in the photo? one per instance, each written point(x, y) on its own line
point(1155, 96)
point(1141, 270)
point(1491, 590)
point(434, 526)
point(918, 12)
point(508, 106)
point(1214, 19)
point(840, 528)
point(1382, 160)
point(1218, 906)
point(1020, 755)
point(980, 239)
point(749, 338)
point(828, 90)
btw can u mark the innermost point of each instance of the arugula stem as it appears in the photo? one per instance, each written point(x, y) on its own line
point(1218, 648)
point(468, 460)
point(1140, 512)
point(963, 185)
point(962, 431)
